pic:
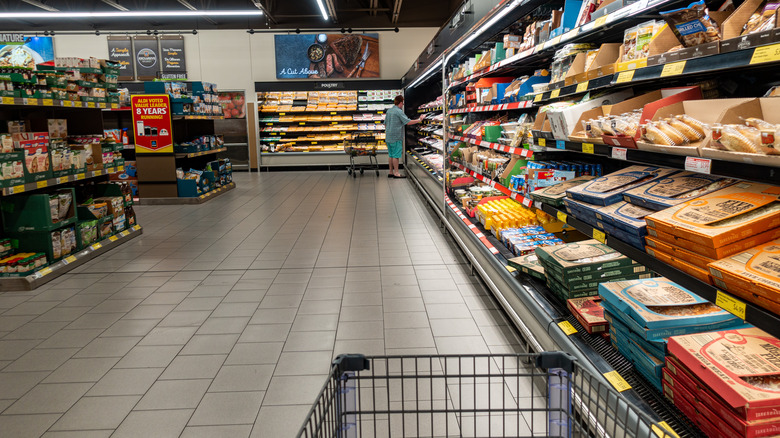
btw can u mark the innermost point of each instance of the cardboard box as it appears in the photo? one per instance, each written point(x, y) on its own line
point(609, 189)
point(750, 208)
point(675, 189)
point(756, 270)
point(554, 195)
point(766, 108)
point(58, 128)
point(564, 121)
point(652, 308)
point(715, 253)
point(157, 190)
point(604, 62)
point(625, 216)
point(678, 253)
point(528, 264)
point(694, 271)
point(582, 257)
point(725, 361)
point(705, 418)
point(589, 313)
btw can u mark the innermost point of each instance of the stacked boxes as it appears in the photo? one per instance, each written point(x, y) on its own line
point(753, 275)
point(643, 313)
point(528, 264)
point(523, 241)
point(500, 214)
point(576, 269)
point(554, 195)
point(609, 189)
point(675, 189)
point(589, 313)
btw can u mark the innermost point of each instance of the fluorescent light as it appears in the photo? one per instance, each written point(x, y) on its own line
point(431, 69)
point(123, 14)
point(322, 9)
point(507, 9)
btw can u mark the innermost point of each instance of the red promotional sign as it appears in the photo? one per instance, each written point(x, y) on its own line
point(152, 123)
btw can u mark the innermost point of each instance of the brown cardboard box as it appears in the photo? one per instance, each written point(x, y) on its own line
point(156, 168)
point(577, 67)
point(94, 155)
point(766, 108)
point(604, 62)
point(157, 190)
point(679, 253)
point(749, 207)
point(756, 270)
point(715, 253)
point(694, 271)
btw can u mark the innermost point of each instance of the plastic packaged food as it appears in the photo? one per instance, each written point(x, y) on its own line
point(693, 24)
point(689, 132)
point(735, 140)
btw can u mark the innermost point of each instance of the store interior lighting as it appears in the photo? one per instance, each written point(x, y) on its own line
point(127, 14)
point(322, 9)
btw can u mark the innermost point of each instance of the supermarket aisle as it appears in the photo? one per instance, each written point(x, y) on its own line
point(222, 319)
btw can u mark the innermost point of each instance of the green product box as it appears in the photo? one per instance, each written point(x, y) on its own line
point(634, 271)
point(492, 133)
point(564, 293)
point(528, 264)
point(87, 233)
point(23, 213)
point(43, 241)
point(581, 257)
point(12, 169)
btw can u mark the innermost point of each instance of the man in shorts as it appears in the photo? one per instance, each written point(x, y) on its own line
point(395, 120)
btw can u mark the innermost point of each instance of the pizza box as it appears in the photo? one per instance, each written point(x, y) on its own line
point(584, 212)
point(675, 189)
point(653, 307)
point(647, 364)
point(715, 253)
point(656, 348)
point(565, 292)
point(581, 257)
point(748, 295)
point(625, 216)
point(528, 264)
point(601, 275)
point(554, 195)
point(739, 365)
point(678, 253)
point(609, 189)
point(756, 270)
point(715, 426)
point(725, 216)
point(669, 259)
point(589, 313)
point(618, 334)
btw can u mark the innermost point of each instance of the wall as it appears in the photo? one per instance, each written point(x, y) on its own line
point(233, 59)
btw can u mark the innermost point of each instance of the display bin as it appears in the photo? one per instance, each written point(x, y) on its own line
point(492, 133)
point(33, 213)
point(39, 241)
point(12, 157)
point(187, 188)
point(81, 242)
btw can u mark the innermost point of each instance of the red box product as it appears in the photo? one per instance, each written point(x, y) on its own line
point(589, 313)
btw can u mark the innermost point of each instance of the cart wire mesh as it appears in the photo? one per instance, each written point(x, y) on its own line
point(513, 395)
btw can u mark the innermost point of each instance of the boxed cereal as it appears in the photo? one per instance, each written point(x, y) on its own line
point(674, 189)
point(554, 195)
point(658, 308)
point(756, 270)
point(609, 189)
point(589, 313)
point(723, 217)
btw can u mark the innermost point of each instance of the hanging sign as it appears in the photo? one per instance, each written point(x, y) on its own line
point(147, 57)
point(173, 61)
point(152, 123)
point(120, 49)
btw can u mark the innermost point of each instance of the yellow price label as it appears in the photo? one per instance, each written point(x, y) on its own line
point(730, 304)
point(562, 216)
point(114, 106)
point(45, 271)
point(768, 53)
point(113, 238)
point(587, 148)
point(510, 269)
point(98, 172)
point(124, 233)
point(553, 41)
point(542, 142)
point(600, 21)
point(90, 104)
point(538, 97)
point(48, 102)
point(567, 328)
point(96, 246)
point(81, 176)
point(555, 93)
point(8, 100)
point(67, 103)
point(672, 69)
point(625, 76)
point(301, 123)
point(664, 430)
point(616, 380)
point(70, 259)
point(599, 235)
point(42, 184)
point(582, 86)
point(32, 101)
point(17, 189)
point(62, 180)
point(101, 105)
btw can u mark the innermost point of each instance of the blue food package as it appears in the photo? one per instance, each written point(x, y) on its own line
point(657, 308)
point(675, 189)
point(584, 212)
point(627, 217)
point(609, 189)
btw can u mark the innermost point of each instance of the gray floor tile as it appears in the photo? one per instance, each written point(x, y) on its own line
point(360, 330)
point(130, 381)
point(233, 431)
point(265, 333)
point(105, 433)
point(227, 408)
point(408, 338)
point(310, 341)
point(406, 320)
point(312, 323)
point(252, 353)
point(303, 363)
point(273, 316)
point(42, 360)
point(291, 390)
point(174, 394)
point(70, 338)
point(159, 424)
point(26, 426)
point(279, 421)
point(454, 327)
point(194, 367)
point(168, 336)
point(242, 378)
point(82, 370)
point(221, 326)
point(15, 385)
point(147, 356)
point(97, 413)
point(210, 344)
point(130, 328)
point(108, 347)
point(49, 398)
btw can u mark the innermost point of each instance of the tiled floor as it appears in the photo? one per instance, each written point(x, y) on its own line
point(221, 320)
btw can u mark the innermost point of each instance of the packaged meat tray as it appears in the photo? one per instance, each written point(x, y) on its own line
point(554, 195)
point(609, 189)
point(675, 189)
point(658, 308)
point(589, 313)
point(723, 217)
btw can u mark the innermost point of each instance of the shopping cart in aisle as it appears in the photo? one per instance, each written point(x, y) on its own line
point(361, 145)
point(519, 395)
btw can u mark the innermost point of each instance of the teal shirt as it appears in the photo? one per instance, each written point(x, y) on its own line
point(395, 120)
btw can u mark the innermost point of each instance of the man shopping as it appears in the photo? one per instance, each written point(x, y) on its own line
point(395, 120)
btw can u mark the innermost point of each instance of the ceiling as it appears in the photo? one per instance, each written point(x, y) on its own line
point(280, 14)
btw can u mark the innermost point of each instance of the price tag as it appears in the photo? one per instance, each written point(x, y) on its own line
point(672, 69)
point(542, 142)
point(599, 235)
point(664, 430)
point(553, 41)
point(31, 101)
point(282, 114)
point(616, 380)
point(114, 106)
point(619, 153)
point(113, 238)
point(67, 103)
point(625, 76)
point(124, 233)
point(582, 86)
point(555, 93)
point(98, 173)
point(695, 164)
point(301, 123)
point(587, 148)
point(538, 97)
point(730, 304)
point(69, 259)
point(96, 246)
point(44, 271)
point(567, 328)
point(81, 176)
point(562, 216)
point(510, 269)
point(560, 144)
point(17, 189)
point(42, 184)
point(48, 102)
point(600, 21)
point(101, 105)
point(8, 100)
point(766, 54)
point(62, 180)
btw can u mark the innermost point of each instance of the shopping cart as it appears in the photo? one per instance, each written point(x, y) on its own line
point(519, 395)
point(361, 145)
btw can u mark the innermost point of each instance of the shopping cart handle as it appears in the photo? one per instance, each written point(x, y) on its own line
point(555, 359)
point(351, 362)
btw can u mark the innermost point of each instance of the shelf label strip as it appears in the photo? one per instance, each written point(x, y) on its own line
point(731, 304)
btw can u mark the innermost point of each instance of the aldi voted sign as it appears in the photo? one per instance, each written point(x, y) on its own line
point(152, 123)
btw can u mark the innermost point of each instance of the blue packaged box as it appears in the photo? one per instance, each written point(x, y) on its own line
point(648, 365)
point(609, 189)
point(627, 217)
point(675, 189)
point(658, 308)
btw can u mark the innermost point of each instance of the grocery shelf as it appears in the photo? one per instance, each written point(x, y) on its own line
point(201, 153)
point(29, 101)
point(430, 110)
point(321, 122)
point(758, 316)
point(68, 263)
point(429, 170)
point(517, 197)
point(332, 112)
point(526, 153)
point(341, 131)
point(491, 108)
point(195, 200)
point(748, 171)
point(197, 117)
point(52, 182)
point(336, 152)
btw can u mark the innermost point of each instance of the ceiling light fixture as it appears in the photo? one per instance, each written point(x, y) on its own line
point(322, 9)
point(128, 14)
